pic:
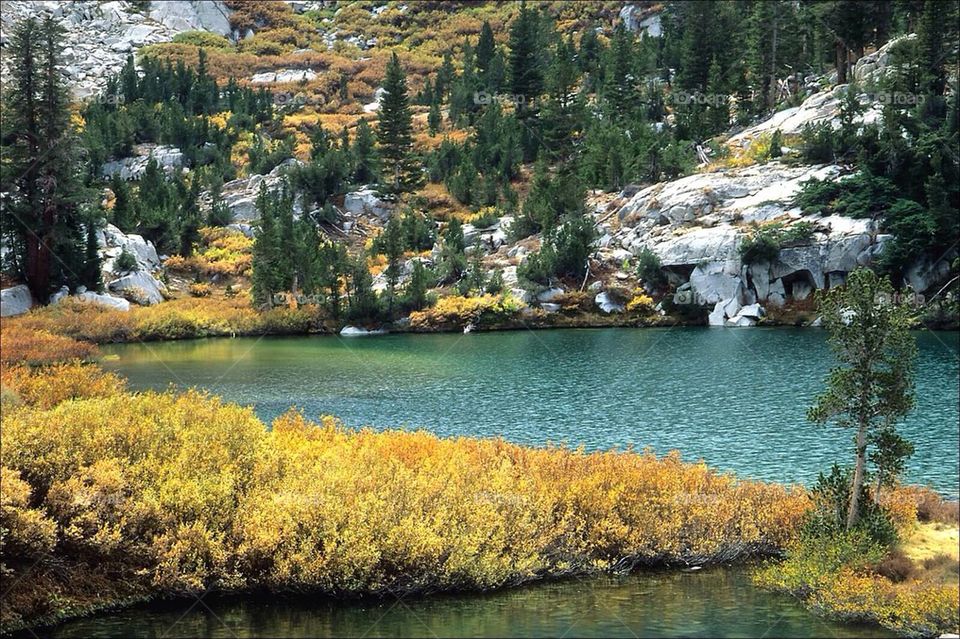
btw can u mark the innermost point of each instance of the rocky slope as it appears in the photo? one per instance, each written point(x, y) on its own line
point(695, 226)
point(100, 35)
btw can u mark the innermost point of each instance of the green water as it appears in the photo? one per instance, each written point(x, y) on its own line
point(736, 398)
point(711, 603)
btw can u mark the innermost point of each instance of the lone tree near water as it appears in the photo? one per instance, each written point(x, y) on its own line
point(872, 387)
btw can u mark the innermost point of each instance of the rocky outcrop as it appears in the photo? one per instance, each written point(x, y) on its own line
point(131, 168)
point(824, 106)
point(15, 300)
point(367, 201)
point(283, 76)
point(99, 35)
point(695, 226)
point(192, 15)
point(637, 20)
point(113, 241)
point(140, 286)
point(240, 196)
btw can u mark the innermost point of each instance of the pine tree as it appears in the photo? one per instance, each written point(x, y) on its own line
point(930, 40)
point(718, 108)
point(44, 221)
point(391, 246)
point(561, 114)
point(189, 219)
point(525, 70)
point(363, 299)
point(122, 213)
point(618, 79)
point(333, 267)
point(366, 163)
point(453, 261)
point(445, 76)
point(416, 292)
point(128, 81)
point(265, 278)
point(873, 386)
point(434, 117)
point(486, 49)
point(394, 131)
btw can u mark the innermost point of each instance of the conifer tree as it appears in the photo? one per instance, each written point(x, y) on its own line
point(333, 265)
point(394, 131)
point(416, 292)
point(366, 164)
point(434, 117)
point(486, 49)
point(45, 221)
point(525, 70)
point(445, 76)
point(363, 299)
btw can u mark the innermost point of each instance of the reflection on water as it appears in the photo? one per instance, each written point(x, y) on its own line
point(717, 602)
point(736, 398)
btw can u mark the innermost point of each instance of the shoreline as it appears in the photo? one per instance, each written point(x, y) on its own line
point(133, 600)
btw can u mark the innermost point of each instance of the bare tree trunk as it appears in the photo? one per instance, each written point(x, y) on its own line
point(772, 96)
point(853, 514)
point(841, 61)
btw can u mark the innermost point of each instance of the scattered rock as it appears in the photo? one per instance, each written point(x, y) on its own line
point(283, 76)
point(139, 287)
point(549, 295)
point(607, 304)
point(15, 300)
point(354, 331)
point(367, 202)
point(116, 303)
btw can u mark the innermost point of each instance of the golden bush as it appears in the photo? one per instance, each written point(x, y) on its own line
point(57, 383)
point(458, 310)
point(184, 492)
point(23, 344)
point(640, 303)
point(200, 289)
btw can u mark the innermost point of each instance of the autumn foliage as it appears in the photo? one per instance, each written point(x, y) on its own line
point(180, 493)
point(183, 318)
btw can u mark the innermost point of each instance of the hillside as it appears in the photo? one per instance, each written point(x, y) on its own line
point(630, 167)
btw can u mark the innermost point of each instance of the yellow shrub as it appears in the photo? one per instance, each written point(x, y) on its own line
point(48, 387)
point(24, 344)
point(191, 493)
point(199, 289)
point(459, 310)
point(173, 319)
point(640, 303)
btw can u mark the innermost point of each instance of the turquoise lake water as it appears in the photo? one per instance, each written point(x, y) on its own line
point(735, 398)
